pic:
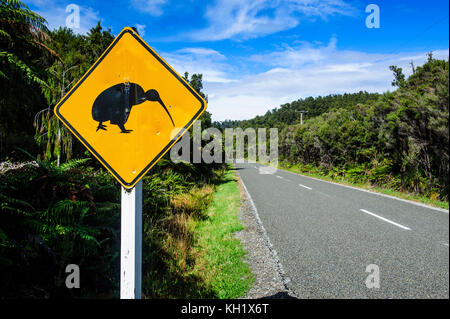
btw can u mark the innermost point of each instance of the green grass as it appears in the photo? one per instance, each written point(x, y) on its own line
point(221, 257)
point(367, 186)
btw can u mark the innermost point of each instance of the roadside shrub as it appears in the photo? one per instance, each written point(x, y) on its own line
point(51, 217)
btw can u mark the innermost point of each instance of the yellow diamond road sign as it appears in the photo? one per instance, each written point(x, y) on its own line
point(130, 108)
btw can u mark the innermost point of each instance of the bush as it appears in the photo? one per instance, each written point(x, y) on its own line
point(54, 216)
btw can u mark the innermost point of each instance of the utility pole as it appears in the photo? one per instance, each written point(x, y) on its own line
point(412, 66)
point(301, 116)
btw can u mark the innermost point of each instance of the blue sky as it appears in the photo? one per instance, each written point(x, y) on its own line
point(257, 54)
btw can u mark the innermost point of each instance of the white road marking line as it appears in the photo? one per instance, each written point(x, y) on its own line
point(385, 219)
point(305, 186)
point(279, 177)
point(446, 245)
point(371, 192)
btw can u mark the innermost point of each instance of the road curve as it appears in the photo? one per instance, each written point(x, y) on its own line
point(328, 237)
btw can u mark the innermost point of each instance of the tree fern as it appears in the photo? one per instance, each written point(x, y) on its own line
point(15, 12)
point(22, 67)
point(74, 163)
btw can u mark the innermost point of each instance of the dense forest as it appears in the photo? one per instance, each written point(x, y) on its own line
point(288, 114)
point(38, 67)
point(398, 140)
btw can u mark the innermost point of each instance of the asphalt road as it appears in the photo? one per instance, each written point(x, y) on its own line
point(326, 235)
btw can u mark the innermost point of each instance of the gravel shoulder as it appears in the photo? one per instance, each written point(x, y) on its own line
point(270, 280)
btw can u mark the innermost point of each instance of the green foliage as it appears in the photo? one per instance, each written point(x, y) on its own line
point(174, 197)
point(37, 68)
point(77, 54)
point(54, 216)
point(24, 56)
point(219, 252)
point(196, 82)
point(399, 77)
point(400, 140)
point(287, 113)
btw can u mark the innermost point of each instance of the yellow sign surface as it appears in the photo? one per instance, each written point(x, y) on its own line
point(130, 108)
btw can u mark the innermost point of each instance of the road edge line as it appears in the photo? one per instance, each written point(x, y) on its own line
point(272, 251)
point(367, 191)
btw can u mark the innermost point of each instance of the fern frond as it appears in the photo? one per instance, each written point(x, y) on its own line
point(68, 206)
point(19, 65)
point(3, 236)
point(15, 203)
point(74, 163)
point(107, 207)
point(5, 35)
point(3, 75)
point(17, 12)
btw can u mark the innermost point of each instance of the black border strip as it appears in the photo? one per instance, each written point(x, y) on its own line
point(166, 148)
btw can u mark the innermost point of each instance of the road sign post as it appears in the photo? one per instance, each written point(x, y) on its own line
point(131, 243)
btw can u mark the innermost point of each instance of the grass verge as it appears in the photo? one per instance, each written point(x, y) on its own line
point(221, 257)
point(192, 251)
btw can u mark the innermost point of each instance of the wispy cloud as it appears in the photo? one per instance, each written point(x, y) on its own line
point(141, 29)
point(211, 63)
point(243, 20)
point(152, 7)
point(307, 70)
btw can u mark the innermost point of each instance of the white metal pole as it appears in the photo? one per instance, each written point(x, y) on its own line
point(131, 243)
point(58, 159)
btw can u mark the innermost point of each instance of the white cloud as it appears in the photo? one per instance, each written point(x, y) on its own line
point(152, 7)
point(249, 19)
point(211, 63)
point(141, 29)
point(201, 51)
point(306, 71)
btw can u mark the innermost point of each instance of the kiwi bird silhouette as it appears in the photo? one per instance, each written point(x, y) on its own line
point(115, 103)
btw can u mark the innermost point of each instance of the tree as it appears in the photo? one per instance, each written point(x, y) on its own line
point(78, 53)
point(399, 77)
point(196, 82)
point(24, 56)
